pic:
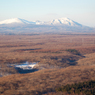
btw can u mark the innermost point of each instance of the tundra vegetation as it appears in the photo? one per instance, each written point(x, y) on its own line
point(66, 60)
point(87, 88)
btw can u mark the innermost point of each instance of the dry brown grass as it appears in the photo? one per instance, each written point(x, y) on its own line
point(32, 48)
point(46, 49)
point(88, 60)
point(46, 80)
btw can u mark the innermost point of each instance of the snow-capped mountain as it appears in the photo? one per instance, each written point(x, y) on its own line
point(60, 21)
point(65, 21)
point(61, 25)
point(16, 21)
point(41, 23)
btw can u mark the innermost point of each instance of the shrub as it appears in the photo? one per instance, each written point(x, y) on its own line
point(74, 51)
point(87, 88)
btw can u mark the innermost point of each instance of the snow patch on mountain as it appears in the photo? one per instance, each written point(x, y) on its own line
point(26, 22)
point(39, 22)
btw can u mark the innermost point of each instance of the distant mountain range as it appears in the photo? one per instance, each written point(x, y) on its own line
point(61, 25)
point(60, 21)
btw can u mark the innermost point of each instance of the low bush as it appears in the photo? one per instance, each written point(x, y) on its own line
point(74, 51)
point(87, 88)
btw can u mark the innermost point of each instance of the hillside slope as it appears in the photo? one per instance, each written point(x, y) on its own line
point(45, 81)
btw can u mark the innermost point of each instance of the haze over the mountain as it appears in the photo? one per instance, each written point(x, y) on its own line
point(61, 25)
point(60, 21)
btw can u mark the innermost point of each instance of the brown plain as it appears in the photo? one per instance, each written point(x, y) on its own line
point(46, 49)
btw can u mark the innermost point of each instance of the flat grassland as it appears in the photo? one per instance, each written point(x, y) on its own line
point(67, 59)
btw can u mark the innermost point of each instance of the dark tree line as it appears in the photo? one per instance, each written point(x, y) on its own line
point(87, 88)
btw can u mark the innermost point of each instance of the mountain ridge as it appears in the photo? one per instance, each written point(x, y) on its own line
point(55, 26)
point(60, 21)
point(16, 20)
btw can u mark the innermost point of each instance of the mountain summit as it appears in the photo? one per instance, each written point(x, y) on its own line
point(65, 21)
point(16, 21)
point(60, 21)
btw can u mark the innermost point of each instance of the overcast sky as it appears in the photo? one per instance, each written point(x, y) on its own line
point(81, 11)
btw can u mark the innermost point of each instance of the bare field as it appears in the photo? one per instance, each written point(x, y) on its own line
point(73, 54)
